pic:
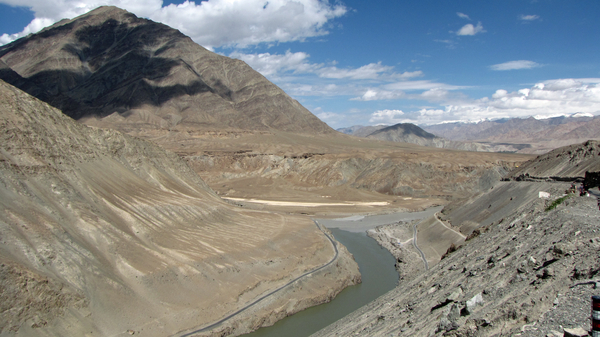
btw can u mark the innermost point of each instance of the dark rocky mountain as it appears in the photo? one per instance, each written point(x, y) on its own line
point(113, 67)
point(402, 132)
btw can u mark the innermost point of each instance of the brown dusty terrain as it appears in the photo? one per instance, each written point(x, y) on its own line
point(333, 168)
point(102, 234)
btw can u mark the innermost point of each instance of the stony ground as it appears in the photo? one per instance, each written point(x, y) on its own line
point(530, 273)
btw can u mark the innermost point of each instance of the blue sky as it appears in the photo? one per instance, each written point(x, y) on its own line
point(385, 62)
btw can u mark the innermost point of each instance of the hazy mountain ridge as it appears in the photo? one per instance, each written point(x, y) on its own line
point(413, 134)
point(361, 130)
point(109, 61)
point(503, 129)
point(521, 135)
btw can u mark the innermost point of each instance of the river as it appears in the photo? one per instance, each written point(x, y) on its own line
point(376, 267)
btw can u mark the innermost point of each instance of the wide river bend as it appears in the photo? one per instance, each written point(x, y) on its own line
point(376, 267)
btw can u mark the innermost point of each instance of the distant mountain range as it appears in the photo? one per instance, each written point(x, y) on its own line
point(521, 129)
point(523, 135)
point(111, 68)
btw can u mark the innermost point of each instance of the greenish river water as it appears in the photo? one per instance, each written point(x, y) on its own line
point(378, 277)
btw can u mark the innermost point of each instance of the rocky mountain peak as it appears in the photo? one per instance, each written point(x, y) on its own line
point(110, 61)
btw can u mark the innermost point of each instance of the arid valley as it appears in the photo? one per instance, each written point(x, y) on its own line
point(152, 187)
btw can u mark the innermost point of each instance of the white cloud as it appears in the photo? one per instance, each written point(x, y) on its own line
point(420, 85)
point(387, 117)
point(369, 71)
point(529, 17)
point(514, 65)
point(377, 94)
point(433, 91)
point(213, 23)
point(463, 15)
point(276, 64)
point(469, 29)
point(56, 10)
point(543, 100)
point(35, 26)
point(435, 94)
point(327, 117)
point(237, 23)
point(273, 64)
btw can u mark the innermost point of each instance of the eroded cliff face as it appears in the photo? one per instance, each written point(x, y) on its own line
point(110, 233)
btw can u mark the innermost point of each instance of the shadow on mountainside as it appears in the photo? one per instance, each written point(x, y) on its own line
point(117, 67)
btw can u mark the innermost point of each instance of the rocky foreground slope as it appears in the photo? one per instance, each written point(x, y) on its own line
point(528, 267)
point(104, 234)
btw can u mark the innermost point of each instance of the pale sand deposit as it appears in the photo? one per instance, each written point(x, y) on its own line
point(309, 204)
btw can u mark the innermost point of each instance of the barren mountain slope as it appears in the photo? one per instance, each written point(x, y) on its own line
point(102, 233)
point(565, 162)
point(110, 68)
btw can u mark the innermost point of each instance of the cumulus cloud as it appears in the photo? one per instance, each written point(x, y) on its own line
point(35, 26)
point(529, 17)
point(218, 23)
point(60, 9)
point(463, 15)
point(212, 23)
point(514, 65)
point(469, 29)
